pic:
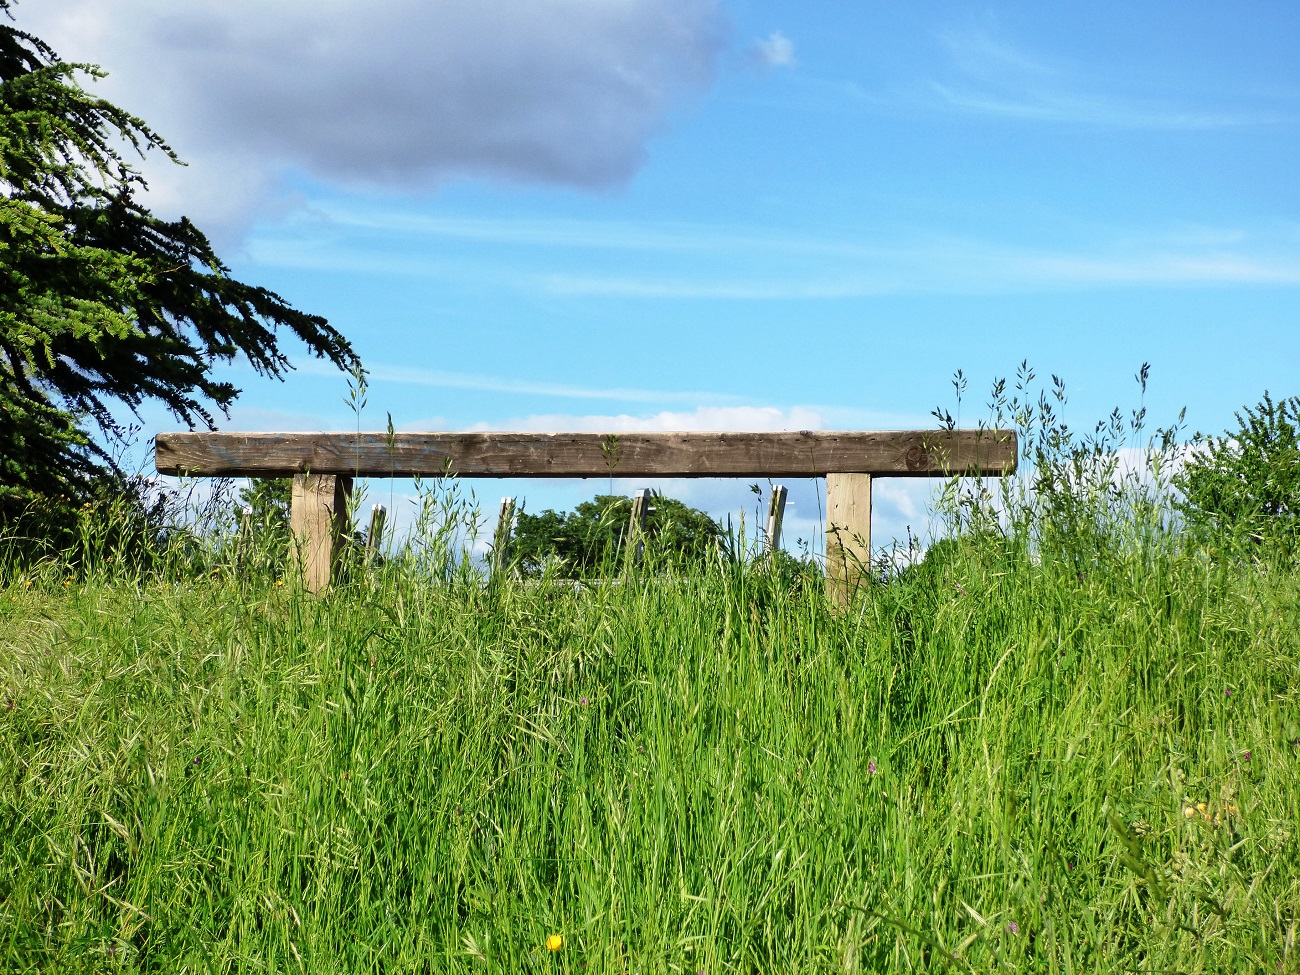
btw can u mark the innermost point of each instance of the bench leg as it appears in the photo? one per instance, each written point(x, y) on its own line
point(318, 516)
point(848, 534)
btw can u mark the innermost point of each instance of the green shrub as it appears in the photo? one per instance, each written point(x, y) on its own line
point(580, 542)
point(1245, 485)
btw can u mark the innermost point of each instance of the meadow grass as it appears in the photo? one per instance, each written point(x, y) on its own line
point(997, 761)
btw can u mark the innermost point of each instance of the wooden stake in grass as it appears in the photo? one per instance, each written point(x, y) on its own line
point(775, 515)
point(244, 540)
point(317, 514)
point(848, 534)
point(375, 536)
point(636, 526)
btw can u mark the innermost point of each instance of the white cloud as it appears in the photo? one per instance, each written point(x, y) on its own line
point(1048, 106)
point(774, 51)
point(952, 265)
point(254, 419)
point(993, 76)
point(390, 93)
point(380, 372)
point(754, 263)
point(750, 418)
point(981, 54)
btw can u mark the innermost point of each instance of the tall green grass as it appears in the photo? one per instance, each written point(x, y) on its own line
point(993, 762)
point(1068, 741)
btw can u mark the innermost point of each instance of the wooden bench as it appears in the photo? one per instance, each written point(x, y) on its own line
point(323, 466)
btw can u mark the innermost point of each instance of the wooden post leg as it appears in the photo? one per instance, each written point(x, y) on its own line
point(848, 534)
point(317, 516)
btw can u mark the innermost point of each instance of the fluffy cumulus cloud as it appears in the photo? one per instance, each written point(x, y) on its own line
point(391, 93)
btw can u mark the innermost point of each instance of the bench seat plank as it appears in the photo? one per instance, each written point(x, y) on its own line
point(803, 453)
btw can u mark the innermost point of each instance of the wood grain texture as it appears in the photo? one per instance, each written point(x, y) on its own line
point(895, 453)
point(317, 512)
point(848, 534)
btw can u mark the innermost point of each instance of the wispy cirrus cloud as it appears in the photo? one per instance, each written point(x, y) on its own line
point(956, 265)
point(483, 382)
point(685, 261)
point(1050, 106)
point(992, 76)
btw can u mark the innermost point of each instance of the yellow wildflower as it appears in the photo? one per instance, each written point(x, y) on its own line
point(554, 942)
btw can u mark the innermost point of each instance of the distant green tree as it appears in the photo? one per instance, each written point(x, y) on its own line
point(593, 534)
point(103, 304)
point(268, 500)
point(1245, 485)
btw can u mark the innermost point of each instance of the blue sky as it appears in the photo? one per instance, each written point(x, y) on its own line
point(625, 214)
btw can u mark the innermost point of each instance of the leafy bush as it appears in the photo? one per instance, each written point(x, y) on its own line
point(592, 535)
point(1245, 485)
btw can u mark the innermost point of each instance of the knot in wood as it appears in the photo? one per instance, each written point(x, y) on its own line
point(916, 458)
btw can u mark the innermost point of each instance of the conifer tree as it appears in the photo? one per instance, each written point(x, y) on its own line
point(103, 304)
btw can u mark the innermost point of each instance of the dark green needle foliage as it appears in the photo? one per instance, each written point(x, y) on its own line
point(103, 303)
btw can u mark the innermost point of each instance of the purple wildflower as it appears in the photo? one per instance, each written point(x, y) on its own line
point(1246, 756)
point(583, 702)
point(1013, 927)
point(871, 767)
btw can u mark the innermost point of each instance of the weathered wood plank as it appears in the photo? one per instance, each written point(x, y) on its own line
point(848, 534)
point(897, 453)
